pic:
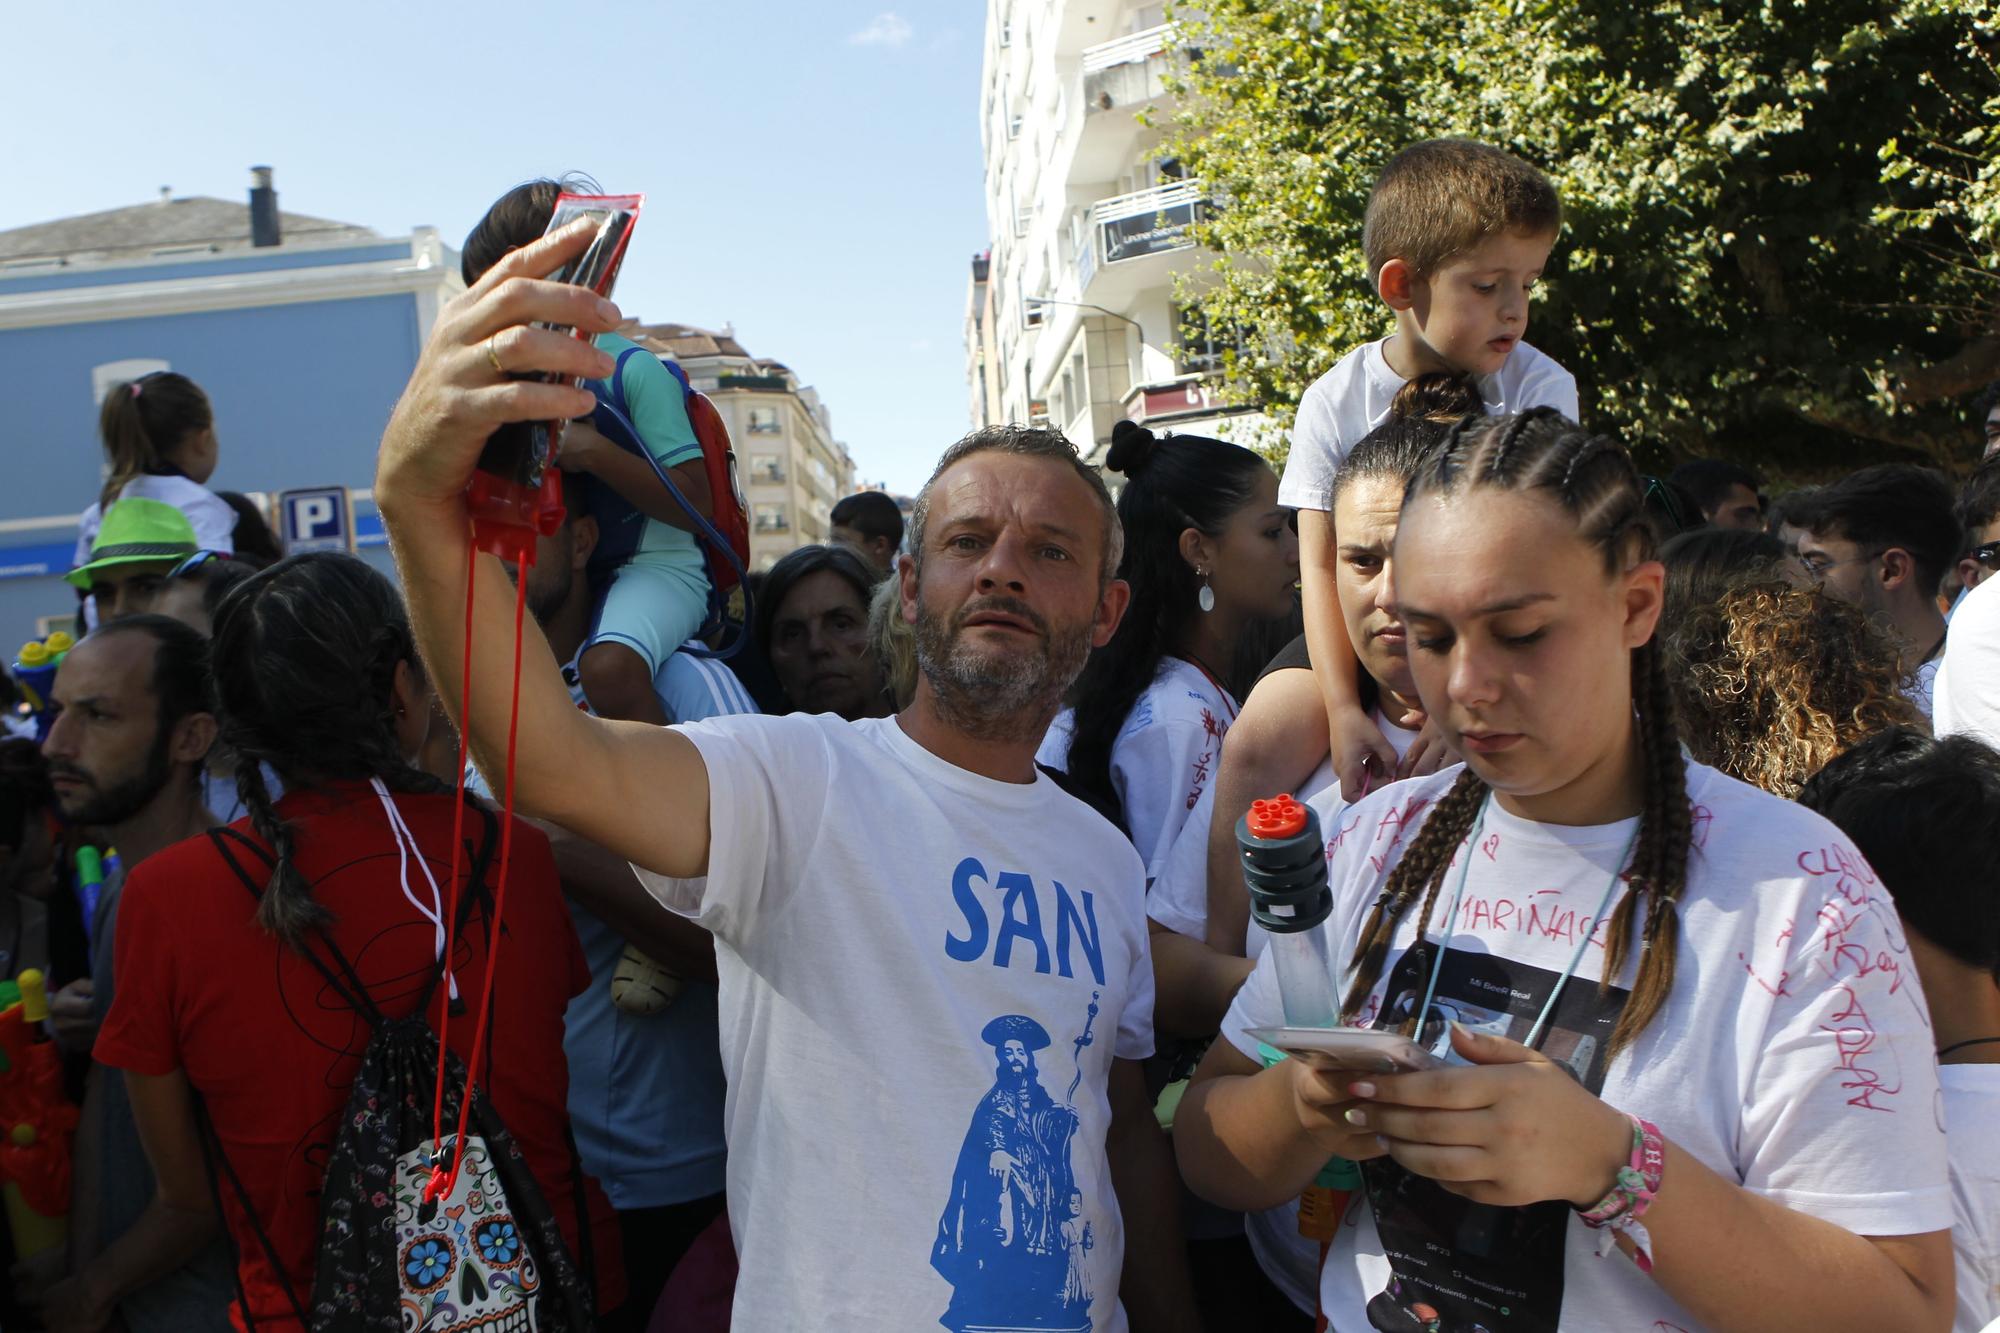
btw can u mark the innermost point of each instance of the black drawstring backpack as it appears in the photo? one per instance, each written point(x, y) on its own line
point(488, 1255)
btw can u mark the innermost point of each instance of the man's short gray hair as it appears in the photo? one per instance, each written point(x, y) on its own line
point(1026, 442)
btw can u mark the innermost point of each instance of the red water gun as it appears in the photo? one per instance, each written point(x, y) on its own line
point(37, 1121)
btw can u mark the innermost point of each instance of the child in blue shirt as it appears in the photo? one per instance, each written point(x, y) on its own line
point(656, 586)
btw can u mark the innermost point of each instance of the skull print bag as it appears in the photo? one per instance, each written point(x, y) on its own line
point(486, 1255)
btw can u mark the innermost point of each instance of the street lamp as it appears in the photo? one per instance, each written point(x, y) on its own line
point(1033, 301)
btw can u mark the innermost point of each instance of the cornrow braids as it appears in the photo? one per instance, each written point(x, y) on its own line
point(1593, 479)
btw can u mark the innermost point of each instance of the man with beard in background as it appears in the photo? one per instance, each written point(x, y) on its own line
point(878, 890)
point(132, 728)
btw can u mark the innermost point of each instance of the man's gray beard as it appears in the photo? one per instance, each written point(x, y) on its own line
point(1009, 699)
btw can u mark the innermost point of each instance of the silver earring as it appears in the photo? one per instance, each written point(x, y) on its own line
point(1205, 596)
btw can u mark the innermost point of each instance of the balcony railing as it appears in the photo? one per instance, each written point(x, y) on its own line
point(1145, 222)
point(1128, 72)
point(1125, 50)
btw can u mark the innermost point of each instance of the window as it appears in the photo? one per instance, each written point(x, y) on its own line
point(1032, 310)
point(767, 467)
point(1202, 345)
point(774, 516)
point(763, 421)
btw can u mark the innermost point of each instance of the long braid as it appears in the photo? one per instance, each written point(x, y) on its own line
point(287, 909)
point(1666, 827)
point(1421, 870)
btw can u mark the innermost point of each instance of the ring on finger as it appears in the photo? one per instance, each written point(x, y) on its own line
point(493, 355)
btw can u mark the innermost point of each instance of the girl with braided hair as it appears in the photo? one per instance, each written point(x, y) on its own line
point(1664, 1001)
point(317, 677)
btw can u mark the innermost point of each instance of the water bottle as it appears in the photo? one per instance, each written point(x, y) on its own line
point(1284, 866)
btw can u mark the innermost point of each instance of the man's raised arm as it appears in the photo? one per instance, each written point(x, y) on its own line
point(640, 791)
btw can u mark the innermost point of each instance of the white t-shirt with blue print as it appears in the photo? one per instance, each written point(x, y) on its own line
point(926, 975)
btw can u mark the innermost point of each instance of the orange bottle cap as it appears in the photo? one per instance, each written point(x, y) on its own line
point(1279, 817)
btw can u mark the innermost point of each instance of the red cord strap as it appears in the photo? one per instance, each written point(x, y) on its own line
point(442, 1182)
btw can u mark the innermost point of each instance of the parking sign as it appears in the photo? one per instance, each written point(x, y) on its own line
point(320, 518)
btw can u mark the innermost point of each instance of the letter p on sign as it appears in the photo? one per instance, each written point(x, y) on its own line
point(319, 519)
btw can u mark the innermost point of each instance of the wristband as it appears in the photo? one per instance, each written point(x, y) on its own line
point(1638, 1181)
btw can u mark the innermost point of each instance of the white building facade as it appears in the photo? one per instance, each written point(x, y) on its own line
point(1091, 222)
point(790, 468)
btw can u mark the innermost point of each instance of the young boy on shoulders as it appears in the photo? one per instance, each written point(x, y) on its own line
point(1456, 236)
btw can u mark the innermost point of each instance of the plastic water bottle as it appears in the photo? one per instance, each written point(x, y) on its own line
point(1284, 865)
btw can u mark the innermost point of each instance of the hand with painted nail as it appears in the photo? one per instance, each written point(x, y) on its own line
point(1323, 1105)
point(1515, 1128)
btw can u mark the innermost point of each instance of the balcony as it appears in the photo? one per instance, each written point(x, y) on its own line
point(766, 383)
point(1149, 222)
point(1119, 80)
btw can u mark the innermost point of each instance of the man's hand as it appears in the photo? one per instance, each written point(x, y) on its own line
point(73, 1016)
point(77, 1305)
point(463, 387)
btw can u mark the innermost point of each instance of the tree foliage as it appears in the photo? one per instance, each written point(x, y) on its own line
point(1782, 218)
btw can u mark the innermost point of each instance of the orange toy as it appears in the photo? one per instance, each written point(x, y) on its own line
point(36, 1120)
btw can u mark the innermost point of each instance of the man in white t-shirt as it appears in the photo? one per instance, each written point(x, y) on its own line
point(1968, 683)
point(1882, 539)
point(893, 901)
point(1926, 815)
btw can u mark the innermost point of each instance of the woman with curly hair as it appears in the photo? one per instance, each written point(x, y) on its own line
point(1772, 681)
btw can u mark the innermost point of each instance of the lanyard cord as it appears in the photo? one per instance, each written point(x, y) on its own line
point(1583, 942)
point(441, 1182)
point(405, 843)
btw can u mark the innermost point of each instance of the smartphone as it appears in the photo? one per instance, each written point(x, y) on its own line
point(1363, 1050)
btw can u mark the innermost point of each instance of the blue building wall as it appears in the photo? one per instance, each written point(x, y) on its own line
point(301, 395)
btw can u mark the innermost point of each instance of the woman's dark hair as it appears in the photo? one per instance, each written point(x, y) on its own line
point(256, 545)
point(1704, 564)
point(1926, 815)
point(1420, 417)
point(800, 564)
point(144, 420)
point(1172, 483)
point(1593, 479)
point(25, 792)
point(305, 664)
point(517, 218)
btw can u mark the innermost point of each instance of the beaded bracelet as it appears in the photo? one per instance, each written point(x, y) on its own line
point(1619, 1211)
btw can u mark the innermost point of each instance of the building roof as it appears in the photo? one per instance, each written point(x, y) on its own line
point(686, 341)
point(134, 232)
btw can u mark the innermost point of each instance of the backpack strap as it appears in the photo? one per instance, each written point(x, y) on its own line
point(211, 1154)
point(352, 990)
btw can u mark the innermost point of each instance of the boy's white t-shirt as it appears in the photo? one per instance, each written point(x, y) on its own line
point(1179, 901)
point(1353, 398)
point(1793, 1053)
point(1972, 1131)
point(886, 924)
point(1967, 685)
point(213, 521)
point(1164, 757)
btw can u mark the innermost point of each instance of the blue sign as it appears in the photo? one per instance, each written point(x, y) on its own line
point(318, 519)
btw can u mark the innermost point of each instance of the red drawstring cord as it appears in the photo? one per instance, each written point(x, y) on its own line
point(441, 1182)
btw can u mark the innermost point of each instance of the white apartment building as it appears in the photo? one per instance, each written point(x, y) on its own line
point(1071, 319)
point(788, 464)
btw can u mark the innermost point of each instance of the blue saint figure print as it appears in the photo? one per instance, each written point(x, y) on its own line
point(1013, 1237)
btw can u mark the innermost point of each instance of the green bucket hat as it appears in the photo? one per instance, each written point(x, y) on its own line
point(136, 531)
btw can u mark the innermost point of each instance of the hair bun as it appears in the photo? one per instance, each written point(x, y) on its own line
point(1131, 449)
point(1440, 396)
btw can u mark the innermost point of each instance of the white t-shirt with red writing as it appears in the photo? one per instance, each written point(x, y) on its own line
point(1164, 757)
point(1793, 1053)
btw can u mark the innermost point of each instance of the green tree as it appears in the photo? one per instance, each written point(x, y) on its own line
point(1781, 218)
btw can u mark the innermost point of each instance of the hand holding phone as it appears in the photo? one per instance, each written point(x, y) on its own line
point(1361, 1050)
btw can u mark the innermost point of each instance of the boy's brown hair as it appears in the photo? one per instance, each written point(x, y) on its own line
point(1441, 197)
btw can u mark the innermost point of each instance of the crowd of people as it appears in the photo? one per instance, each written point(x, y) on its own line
point(899, 971)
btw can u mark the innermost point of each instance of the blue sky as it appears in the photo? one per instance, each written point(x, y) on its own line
point(812, 170)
